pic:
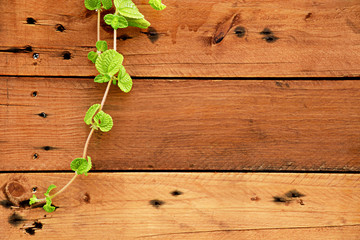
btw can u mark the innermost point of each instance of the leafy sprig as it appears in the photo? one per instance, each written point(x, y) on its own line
point(108, 63)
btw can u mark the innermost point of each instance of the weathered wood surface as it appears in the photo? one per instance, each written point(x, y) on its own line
point(183, 124)
point(189, 38)
point(206, 206)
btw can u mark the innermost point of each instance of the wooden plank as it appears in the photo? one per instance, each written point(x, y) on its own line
point(183, 124)
point(189, 38)
point(206, 206)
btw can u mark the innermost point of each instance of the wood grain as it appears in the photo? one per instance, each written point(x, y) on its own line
point(183, 124)
point(208, 206)
point(190, 38)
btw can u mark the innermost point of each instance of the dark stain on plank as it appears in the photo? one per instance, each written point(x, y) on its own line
point(152, 34)
point(15, 219)
point(25, 49)
point(156, 203)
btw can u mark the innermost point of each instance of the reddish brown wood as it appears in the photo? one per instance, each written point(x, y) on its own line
point(183, 124)
point(189, 38)
point(210, 206)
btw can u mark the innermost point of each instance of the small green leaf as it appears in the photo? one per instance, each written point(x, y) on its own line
point(115, 21)
point(108, 18)
point(101, 46)
point(125, 82)
point(157, 5)
point(102, 78)
point(140, 23)
point(33, 200)
point(90, 113)
point(107, 4)
point(103, 121)
point(51, 187)
point(92, 4)
point(92, 56)
point(47, 207)
point(118, 22)
point(109, 62)
point(81, 166)
point(128, 9)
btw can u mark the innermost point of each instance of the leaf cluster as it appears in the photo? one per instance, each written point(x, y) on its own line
point(47, 207)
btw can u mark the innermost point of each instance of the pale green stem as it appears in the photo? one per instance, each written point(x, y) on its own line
point(92, 130)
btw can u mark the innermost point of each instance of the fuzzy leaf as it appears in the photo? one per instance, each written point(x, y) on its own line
point(33, 200)
point(101, 46)
point(90, 113)
point(140, 23)
point(125, 82)
point(107, 4)
point(102, 78)
point(103, 121)
point(92, 56)
point(81, 165)
point(109, 62)
point(47, 207)
point(118, 22)
point(108, 18)
point(157, 5)
point(51, 187)
point(92, 4)
point(128, 9)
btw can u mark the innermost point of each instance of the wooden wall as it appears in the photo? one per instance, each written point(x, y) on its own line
point(243, 122)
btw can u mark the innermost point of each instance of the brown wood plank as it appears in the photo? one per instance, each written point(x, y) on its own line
point(311, 39)
point(183, 124)
point(207, 206)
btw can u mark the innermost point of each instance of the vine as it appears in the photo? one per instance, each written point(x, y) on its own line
point(108, 62)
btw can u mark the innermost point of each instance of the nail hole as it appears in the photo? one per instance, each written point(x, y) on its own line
point(42, 115)
point(35, 156)
point(176, 193)
point(240, 31)
point(266, 31)
point(270, 38)
point(30, 21)
point(60, 28)
point(47, 148)
point(156, 203)
point(28, 48)
point(124, 37)
point(66, 55)
point(34, 93)
point(36, 56)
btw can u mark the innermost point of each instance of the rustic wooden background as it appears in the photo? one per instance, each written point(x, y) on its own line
point(243, 122)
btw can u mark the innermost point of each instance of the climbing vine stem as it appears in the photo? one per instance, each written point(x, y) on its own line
point(108, 62)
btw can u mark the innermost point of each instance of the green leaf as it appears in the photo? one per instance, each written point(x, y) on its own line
point(128, 9)
point(51, 187)
point(90, 113)
point(125, 82)
point(119, 22)
point(157, 5)
point(101, 46)
point(103, 121)
point(92, 4)
point(102, 78)
point(47, 207)
point(140, 23)
point(33, 200)
point(115, 21)
point(81, 165)
point(92, 56)
point(109, 62)
point(107, 4)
